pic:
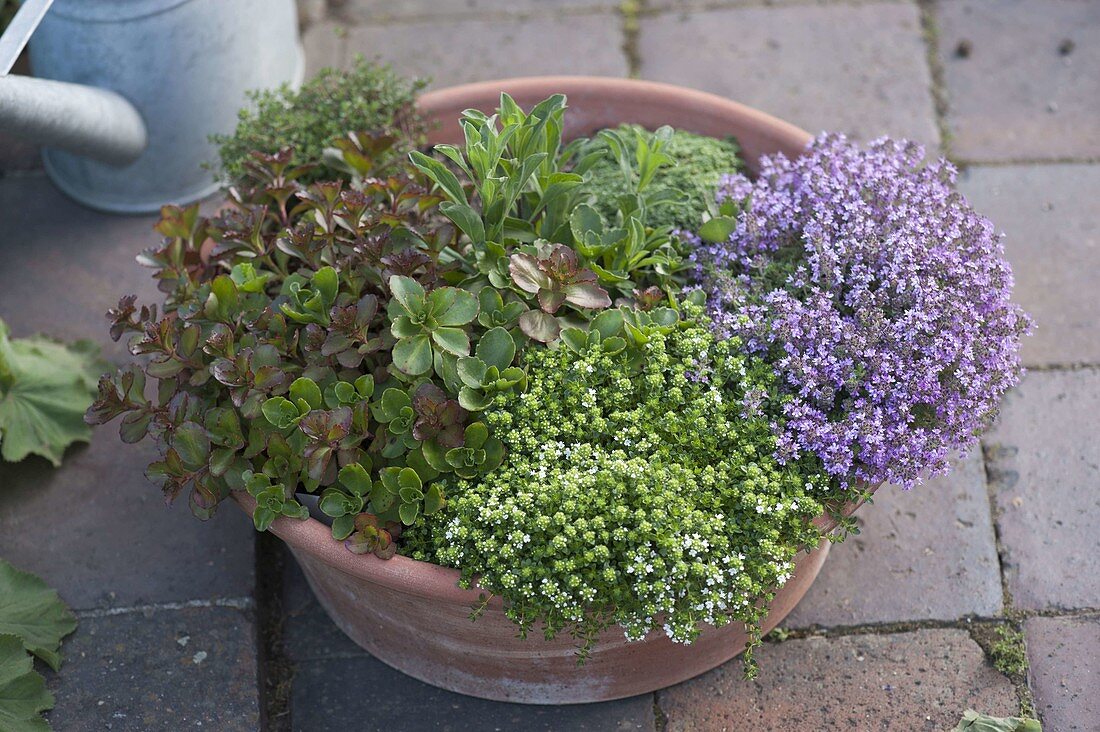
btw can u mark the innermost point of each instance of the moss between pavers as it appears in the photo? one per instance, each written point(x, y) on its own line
point(276, 672)
point(930, 33)
point(630, 10)
point(1004, 646)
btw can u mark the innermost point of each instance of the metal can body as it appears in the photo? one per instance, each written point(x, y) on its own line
point(184, 64)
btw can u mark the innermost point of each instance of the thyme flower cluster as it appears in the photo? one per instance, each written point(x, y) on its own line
point(881, 297)
point(644, 498)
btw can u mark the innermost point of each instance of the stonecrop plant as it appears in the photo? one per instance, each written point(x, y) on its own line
point(880, 296)
point(307, 120)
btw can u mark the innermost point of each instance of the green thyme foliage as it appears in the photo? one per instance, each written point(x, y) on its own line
point(697, 164)
point(639, 489)
point(366, 97)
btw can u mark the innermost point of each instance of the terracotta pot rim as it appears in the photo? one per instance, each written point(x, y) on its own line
point(424, 579)
point(441, 583)
point(612, 88)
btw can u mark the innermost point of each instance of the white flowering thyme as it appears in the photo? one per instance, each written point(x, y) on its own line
point(641, 496)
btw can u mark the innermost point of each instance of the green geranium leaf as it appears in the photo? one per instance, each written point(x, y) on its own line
point(343, 393)
point(45, 388)
point(608, 323)
point(614, 345)
point(393, 401)
point(489, 300)
point(664, 316)
point(436, 456)
point(23, 694)
point(32, 612)
point(380, 497)
point(411, 495)
point(494, 455)
point(403, 327)
point(342, 526)
point(584, 219)
point(973, 721)
point(334, 503)
point(364, 385)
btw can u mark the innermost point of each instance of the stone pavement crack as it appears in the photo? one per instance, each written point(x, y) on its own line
point(904, 626)
point(338, 14)
point(964, 163)
point(660, 719)
point(995, 513)
point(631, 12)
point(931, 34)
point(274, 668)
point(1065, 367)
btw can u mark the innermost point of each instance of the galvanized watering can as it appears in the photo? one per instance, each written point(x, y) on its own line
point(127, 92)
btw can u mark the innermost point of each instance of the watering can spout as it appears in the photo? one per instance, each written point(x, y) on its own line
point(126, 93)
point(96, 123)
point(83, 120)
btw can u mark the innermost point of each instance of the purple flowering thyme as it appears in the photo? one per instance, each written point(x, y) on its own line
point(881, 297)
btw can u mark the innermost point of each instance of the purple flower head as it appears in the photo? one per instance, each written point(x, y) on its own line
point(881, 297)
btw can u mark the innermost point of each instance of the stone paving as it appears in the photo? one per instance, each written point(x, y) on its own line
point(186, 624)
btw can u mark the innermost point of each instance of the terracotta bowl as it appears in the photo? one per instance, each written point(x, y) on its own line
point(411, 614)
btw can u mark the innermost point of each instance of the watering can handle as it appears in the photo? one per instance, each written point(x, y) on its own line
point(85, 120)
point(19, 31)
